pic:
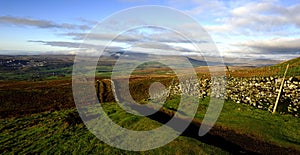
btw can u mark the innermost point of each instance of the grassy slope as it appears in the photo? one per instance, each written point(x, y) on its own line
point(62, 132)
point(275, 70)
point(282, 130)
point(294, 68)
point(292, 62)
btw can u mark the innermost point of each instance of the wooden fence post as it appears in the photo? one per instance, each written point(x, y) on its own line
point(280, 89)
point(113, 89)
point(98, 89)
point(229, 72)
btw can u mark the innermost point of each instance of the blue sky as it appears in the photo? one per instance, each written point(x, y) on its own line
point(243, 28)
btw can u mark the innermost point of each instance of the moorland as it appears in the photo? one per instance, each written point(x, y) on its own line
point(38, 113)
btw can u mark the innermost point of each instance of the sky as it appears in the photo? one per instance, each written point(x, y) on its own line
point(260, 29)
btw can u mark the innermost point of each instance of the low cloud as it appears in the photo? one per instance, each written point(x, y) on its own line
point(274, 46)
point(103, 36)
point(77, 45)
point(90, 22)
point(133, 37)
point(162, 46)
point(65, 44)
point(39, 23)
point(57, 43)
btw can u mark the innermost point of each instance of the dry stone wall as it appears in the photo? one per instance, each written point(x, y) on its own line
point(260, 92)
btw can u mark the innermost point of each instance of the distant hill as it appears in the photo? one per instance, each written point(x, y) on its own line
point(293, 62)
point(270, 70)
point(196, 62)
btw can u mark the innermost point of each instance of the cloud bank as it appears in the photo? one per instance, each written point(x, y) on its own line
point(40, 23)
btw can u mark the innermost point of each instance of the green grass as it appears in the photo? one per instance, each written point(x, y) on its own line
point(61, 132)
point(282, 130)
point(294, 68)
point(36, 73)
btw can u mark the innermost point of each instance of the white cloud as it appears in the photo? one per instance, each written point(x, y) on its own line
point(18, 21)
point(245, 16)
point(275, 46)
point(249, 27)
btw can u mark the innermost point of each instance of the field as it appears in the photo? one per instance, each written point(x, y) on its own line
point(243, 128)
point(62, 132)
point(38, 115)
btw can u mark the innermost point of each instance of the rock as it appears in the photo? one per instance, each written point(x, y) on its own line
point(278, 80)
point(292, 79)
point(256, 84)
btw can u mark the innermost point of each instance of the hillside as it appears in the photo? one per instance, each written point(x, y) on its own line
point(252, 131)
point(40, 117)
point(294, 67)
point(273, 70)
point(63, 132)
point(292, 62)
